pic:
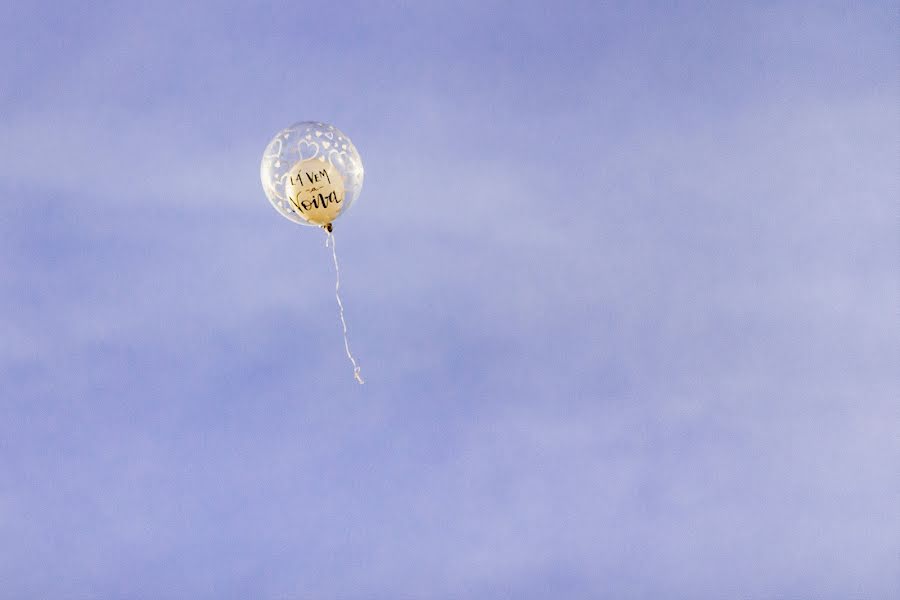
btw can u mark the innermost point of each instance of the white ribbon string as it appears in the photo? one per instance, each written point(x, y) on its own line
point(337, 295)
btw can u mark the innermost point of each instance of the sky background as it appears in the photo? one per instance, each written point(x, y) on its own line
point(623, 282)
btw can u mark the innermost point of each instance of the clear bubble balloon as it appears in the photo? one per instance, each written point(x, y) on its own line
point(311, 173)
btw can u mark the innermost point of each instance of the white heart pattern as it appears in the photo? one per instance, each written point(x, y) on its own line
point(274, 149)
point(307, 150)
point(338, 159)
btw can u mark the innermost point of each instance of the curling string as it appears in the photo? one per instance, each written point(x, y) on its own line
point(337, 294)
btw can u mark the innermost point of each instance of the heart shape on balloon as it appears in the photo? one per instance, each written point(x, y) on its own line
point(274, 149)
point(307, 150)
point(338, 159)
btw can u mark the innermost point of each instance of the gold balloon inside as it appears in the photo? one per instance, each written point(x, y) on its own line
point(316, 190)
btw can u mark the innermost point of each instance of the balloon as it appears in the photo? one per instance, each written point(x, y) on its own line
point(311, 173)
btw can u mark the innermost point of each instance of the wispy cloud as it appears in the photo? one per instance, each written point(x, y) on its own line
point(623, 284)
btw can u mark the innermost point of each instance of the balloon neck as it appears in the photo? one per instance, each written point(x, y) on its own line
point(327, 227)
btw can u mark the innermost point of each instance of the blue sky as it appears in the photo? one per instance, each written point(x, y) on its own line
point(623, 280)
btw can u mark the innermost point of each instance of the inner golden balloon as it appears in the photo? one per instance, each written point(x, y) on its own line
point(315, 189)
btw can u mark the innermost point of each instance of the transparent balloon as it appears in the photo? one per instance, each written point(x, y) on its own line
point(311, 173)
